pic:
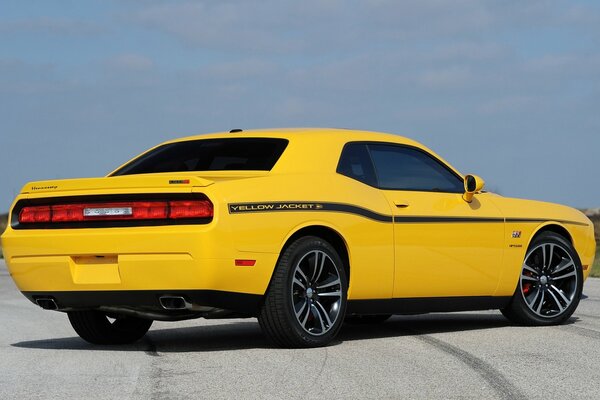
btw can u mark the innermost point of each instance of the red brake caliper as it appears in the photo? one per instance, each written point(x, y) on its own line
point(527, 286)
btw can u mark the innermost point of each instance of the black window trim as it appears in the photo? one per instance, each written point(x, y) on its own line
point(428, 154)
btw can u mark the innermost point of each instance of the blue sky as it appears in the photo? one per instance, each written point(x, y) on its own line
point(509, 90)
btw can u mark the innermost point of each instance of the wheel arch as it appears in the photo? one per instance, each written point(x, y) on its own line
point(552, 227)
point(328, 233)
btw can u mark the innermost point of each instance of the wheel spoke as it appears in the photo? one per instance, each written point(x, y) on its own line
point(560, 293)
point(528, 268)
point(315, 266)
point(320, 268)
point(539, 309)
point(560, 306)
point(550, 257)
point(568, 274)
point(325, 314)
point(543, 257)
point(528, 278)
point(302, 274)
point(303, 322)
point(537, 293)
point(334, 280)
point(299, 283)
point(564, 264)
point(315, 312)
point(302, 307)
point(330, 294)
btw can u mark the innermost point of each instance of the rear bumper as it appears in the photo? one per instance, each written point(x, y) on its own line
point(137, 260)
point(149, 300)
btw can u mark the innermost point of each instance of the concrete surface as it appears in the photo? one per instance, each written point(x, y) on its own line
point(460, 355)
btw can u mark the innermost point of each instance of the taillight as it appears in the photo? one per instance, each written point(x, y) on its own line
point(35, 214)
point(190, 209)
point(117, 211)
point(66, 213)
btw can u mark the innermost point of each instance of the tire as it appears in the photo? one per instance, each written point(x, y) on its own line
point(306, 300)
point(540, 298)
point(95, 327)
point(367, 319)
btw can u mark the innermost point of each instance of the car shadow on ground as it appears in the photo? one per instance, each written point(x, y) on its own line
point(240, 335)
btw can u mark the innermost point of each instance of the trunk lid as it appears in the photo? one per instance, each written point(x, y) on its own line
point(117, 183)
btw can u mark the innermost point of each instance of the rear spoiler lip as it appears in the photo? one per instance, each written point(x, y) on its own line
point(133, 182)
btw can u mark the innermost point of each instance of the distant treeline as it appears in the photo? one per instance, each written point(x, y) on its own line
point(596, 220)
point(3, 222)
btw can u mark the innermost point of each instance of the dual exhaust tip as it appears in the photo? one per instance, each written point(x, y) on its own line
point(174, 303)
point(47, 303)
point(167, 302)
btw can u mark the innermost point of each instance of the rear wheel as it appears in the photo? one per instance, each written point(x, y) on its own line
point(306, 300)
point(550, 283)
point(95, 327)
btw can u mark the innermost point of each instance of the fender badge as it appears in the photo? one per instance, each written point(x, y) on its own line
point(179, 182)
point(516, 234)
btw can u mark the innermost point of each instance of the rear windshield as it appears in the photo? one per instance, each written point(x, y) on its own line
point(254, 154)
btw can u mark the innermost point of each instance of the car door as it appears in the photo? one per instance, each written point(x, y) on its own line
point(444, 246)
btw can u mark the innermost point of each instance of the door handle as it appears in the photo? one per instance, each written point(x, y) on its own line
point(401, 204)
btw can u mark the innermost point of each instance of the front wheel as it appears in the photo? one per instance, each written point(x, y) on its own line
point(306, 300)
point(550, 283)
point(97, 328)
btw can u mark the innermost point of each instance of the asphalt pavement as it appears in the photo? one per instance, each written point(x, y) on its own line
point(434, 356)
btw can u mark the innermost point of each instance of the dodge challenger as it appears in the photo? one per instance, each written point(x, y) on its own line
point(302, 228)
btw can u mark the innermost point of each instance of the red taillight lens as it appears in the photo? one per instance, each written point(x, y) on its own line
point(35, 214)
point(149, 210)
point(67, 213)
point(134, 210)
point(190, 209)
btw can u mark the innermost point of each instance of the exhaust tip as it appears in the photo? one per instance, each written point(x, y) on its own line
point(174, 303)
point(47, 303)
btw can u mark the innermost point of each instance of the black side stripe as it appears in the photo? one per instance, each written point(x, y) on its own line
point(444, 220)
point(242, 208)
point(349, 209)
point(562, 221)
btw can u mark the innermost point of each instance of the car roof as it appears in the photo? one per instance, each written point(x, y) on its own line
point(332, 134)
point(307, 138)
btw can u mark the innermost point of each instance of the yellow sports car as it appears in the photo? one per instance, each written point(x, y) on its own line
point(301, 228)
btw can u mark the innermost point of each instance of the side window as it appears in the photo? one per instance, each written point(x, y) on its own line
point(355, 163)
point(405, 168)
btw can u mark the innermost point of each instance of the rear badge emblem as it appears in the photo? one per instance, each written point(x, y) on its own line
point(516, 234)
point(107, 212)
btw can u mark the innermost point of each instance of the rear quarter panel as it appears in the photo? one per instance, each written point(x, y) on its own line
point(369, 242)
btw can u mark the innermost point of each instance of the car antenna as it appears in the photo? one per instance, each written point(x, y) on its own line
point(235, 130)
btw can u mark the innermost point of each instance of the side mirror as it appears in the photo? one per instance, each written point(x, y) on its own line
point(473, 184)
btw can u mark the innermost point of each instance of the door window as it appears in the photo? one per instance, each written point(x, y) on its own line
point(406, 168)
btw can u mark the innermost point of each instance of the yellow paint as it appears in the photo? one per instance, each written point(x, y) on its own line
point(430, 255)
point(386, 259)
